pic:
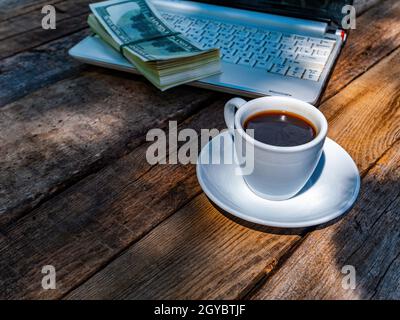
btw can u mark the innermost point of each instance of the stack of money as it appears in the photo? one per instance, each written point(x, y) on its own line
point(165, 57)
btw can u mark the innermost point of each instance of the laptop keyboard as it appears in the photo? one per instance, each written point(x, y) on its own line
point(274, 52)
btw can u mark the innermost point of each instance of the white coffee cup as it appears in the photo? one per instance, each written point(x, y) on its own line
point(279, 173)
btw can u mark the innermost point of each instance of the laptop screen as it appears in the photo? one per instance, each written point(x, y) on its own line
point(311, 9)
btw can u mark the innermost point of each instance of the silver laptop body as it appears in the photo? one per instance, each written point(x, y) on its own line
point(262, 53)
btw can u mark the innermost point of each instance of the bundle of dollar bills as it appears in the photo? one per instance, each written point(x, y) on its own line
point(165, 57)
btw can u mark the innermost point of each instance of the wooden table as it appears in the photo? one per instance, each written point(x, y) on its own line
point(77, 193)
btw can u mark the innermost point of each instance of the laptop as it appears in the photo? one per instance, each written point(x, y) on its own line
point(268, 47)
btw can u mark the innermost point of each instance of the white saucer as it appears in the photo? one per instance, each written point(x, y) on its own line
point(330, 192)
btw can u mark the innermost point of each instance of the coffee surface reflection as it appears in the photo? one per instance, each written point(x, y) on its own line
point(280, 128)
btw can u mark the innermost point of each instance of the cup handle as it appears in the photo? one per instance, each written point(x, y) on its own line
point(229, 112)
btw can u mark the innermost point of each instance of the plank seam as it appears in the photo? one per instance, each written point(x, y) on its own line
point(43, 43)
point(121, 252)
point(383, 276)
point(263, 279)
point(99, 165)
point(372, 6)
point(374, 163)
point(38, 28)
point(360, 75)
point(372, 226)
point(18, 52)
point(290, 250)
point(34, 6)
point(77, 179)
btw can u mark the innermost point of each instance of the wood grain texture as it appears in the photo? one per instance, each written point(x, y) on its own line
point(28, 22)
point(27, 32)
point(29, 71)
point(196, 254)
point(364, 117)
point(91, 223)
point(363, 5)
point(201, 273)
point(367, 239)
point(45, 64)
point(37, 37)
point(377, 35)
point(58, 134)
point(81, 229)
point(14, 8)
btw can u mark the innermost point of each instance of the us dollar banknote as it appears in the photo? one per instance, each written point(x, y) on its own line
point(138, 31)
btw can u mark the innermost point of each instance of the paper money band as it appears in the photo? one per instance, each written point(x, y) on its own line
point(147, 39)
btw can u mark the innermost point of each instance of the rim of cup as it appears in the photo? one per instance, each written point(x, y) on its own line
point(322, 126)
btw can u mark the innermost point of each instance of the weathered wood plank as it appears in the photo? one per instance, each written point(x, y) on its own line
point(326, 243)
point(370, 101)
point(55, 63)
point(26, 31)
point(201, 272)
point(13, 8)
point(37, 68)
point(37, 37)
point(93, 221)
point(363, 5)
point(48, 63)
point(175, 262)
point(29, 71)
point(388, 286)
point(197, 254)
point(28, 22)
point(67, 244)
point(377, 34)
point(367, 239)
point(63, 132)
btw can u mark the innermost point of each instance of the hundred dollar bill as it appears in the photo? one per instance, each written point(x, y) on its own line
point(164, 56)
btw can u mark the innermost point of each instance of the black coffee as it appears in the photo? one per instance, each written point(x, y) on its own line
point(280, 128)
